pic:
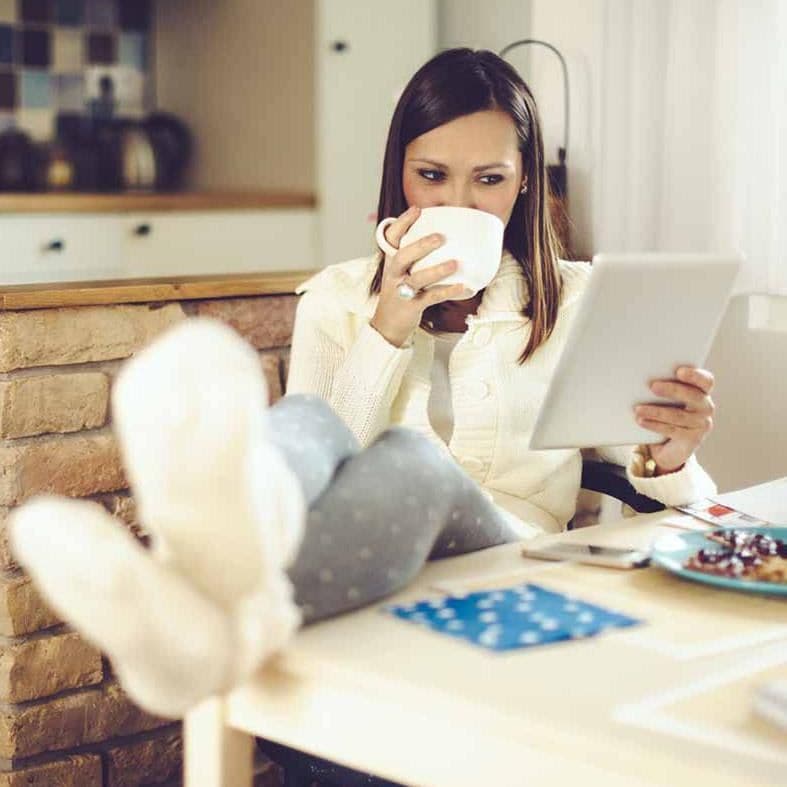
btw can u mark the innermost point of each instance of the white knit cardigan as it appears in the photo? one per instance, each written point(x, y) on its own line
point(372, 385)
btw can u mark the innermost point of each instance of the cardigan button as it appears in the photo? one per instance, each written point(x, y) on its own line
point(482, 337)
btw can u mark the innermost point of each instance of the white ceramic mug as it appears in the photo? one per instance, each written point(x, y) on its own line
point(472, 237)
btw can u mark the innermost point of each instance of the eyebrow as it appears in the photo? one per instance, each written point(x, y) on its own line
point(495, 165)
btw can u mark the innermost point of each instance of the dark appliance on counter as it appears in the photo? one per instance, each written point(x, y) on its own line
point(116, 154)
point(18, 162)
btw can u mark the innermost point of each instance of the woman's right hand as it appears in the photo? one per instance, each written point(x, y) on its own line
point(395, 317)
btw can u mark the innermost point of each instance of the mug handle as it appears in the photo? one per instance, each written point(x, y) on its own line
point(379, 236)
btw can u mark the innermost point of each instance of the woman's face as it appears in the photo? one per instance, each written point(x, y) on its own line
point(471, 162)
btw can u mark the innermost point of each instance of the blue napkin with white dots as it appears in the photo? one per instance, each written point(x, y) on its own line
point(518, 617)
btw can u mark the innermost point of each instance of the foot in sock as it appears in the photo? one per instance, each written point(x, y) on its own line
point(169, 645)
point(222, 505)
point(224, 511)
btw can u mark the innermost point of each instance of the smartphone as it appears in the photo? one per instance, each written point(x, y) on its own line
point(614, 557)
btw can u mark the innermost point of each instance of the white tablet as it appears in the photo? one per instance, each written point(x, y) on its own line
point(641, 317)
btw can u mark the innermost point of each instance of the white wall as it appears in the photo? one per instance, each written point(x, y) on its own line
point(749, 443)
point(241, 74)
point(575, 27)
point(356, 93)
point(490, 24)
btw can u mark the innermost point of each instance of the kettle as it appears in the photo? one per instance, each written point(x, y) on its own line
point(138, 167)
point(152, 154)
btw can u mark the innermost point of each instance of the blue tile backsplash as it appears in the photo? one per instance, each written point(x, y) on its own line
point(51, 52)
point(6, 44)
point(70, 13)
point(36, 89)
point(35, 10)
point(133, 50)
point(101, 14)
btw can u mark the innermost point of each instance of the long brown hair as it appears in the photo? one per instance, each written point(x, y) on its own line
point(460, 82)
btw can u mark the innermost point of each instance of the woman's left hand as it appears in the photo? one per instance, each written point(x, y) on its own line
point(684, 427)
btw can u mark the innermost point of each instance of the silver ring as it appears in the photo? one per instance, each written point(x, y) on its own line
point(405, 291)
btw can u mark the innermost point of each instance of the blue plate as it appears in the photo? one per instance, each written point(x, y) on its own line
point(672, 551)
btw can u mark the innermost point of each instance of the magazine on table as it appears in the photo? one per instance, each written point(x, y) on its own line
point(757, 506)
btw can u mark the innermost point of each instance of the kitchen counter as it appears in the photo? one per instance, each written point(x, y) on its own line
point(142, 202)
point(177, 288)
point(56, 240)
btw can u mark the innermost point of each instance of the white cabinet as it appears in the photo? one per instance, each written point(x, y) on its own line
point(65, 247)
point(193, 244)
point(366, 53)
point(46, 248)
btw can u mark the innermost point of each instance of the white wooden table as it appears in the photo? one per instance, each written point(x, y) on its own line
point(664, 703)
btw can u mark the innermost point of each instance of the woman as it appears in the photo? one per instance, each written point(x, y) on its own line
point(248, 509)
point(466, 132)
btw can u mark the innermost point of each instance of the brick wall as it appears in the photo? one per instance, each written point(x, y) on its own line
point(63, 719)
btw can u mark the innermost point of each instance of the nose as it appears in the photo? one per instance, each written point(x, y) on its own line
point(460, 195)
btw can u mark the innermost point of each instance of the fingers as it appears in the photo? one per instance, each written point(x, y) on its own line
point(694, 398)
point(440, 293)
point(668, 430)
point(399, 265)
point(396, 231)
point(700, 378)
point(683, 427)
point(692, 388)
point(675, 417)
point(432, 274)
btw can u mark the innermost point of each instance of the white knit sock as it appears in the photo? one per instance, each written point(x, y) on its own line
point(168, 644)
point(222, 505)
point(211, 600)
point(224, 509)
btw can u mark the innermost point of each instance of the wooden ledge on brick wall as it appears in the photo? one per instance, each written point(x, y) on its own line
point(175, 288)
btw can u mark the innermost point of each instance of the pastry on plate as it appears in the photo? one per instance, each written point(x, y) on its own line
point(743, 555)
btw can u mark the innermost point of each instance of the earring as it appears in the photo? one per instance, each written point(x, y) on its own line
point(523, 190)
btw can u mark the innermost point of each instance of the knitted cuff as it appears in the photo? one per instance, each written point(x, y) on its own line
point(686, 485)
point(377, 357)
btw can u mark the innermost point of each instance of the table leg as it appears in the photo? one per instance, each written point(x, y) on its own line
point(215, 755)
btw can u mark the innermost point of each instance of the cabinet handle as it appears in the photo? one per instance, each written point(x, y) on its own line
point(55, 245)
point(340, 46)
point(143, 230)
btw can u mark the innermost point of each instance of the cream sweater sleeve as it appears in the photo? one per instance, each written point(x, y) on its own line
point(687, 485)
point(355, 370)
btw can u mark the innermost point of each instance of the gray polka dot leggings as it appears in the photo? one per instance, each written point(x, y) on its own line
point(375, 515)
